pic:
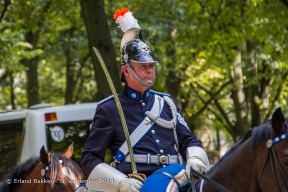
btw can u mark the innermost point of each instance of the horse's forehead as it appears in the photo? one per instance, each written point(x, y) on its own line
point(72, 178)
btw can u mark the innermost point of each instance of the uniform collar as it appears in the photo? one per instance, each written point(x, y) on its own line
point(135, 95)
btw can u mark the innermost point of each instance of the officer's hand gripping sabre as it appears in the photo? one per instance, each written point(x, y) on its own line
point(134, 174)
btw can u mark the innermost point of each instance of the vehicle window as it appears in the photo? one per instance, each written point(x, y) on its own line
point(61, 135)
point(58, 140)
point(10, 145)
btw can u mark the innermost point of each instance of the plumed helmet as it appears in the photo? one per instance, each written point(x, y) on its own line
point(132, 47)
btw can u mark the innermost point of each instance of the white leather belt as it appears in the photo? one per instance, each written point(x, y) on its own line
point(154, 159)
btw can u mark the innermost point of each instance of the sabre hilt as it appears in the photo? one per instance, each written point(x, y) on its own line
point(139, 176)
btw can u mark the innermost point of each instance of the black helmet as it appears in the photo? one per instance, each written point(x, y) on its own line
point(134, 49)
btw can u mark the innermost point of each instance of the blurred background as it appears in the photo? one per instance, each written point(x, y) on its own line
point(224, 61)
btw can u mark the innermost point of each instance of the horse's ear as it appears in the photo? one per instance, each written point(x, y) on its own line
point(69, 151)
point(278, 121)
point(44, 156)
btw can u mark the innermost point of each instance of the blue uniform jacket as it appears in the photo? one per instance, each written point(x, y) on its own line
point(107, 132)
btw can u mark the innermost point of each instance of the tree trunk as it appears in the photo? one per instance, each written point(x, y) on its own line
point(238, 95)
point(70, 68)
point(70, 82)
point(32, 81)
point(265, 86)
point(99, 37)
point(32, 37)
point(12, 95)
point(253, 87)
point(31, 65)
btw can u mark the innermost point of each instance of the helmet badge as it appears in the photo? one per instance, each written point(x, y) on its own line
point(144, 47)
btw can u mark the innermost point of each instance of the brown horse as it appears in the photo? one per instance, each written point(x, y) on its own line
point(258, 162)
point(50, 172)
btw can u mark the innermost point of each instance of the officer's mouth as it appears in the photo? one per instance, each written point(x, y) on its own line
point(149, 81)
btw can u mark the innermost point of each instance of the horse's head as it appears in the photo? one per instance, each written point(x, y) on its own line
point(51, 172)
point(275, 166)
point(258, 162)
point(62, 173)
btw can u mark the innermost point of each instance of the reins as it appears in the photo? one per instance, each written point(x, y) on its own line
point(209, 181)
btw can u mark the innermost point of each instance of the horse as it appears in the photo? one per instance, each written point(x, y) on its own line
point(258, 162)
point(52, 171)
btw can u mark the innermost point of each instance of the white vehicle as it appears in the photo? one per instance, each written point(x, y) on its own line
point(24, 132)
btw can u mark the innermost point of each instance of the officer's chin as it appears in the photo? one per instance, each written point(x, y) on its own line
point(150, 83)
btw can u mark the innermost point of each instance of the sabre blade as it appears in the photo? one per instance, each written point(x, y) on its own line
point(119, 107)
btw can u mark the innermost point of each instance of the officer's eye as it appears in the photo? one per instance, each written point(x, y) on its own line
point(142, 67)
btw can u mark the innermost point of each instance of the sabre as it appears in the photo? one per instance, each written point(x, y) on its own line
point(134, 174)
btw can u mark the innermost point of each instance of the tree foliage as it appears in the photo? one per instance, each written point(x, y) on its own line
point(223, 61)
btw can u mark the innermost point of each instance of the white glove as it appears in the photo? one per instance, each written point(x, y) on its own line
point(129, 185)
point(196, 164)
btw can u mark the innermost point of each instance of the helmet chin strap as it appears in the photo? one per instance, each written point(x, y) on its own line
point(138, 78)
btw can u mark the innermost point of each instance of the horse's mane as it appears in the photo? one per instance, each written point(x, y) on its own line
point(30, 164)
point(257, 135)
point(18, 172)
point(260, 133)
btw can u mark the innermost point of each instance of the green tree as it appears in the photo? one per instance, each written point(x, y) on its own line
point(223, 61)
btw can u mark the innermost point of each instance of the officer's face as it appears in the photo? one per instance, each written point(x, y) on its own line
point(145, 71)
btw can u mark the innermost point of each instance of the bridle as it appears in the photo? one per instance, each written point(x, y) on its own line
point(43, 173)
point(274, 161)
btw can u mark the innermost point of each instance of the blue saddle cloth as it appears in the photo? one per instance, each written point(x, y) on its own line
point(160, 181)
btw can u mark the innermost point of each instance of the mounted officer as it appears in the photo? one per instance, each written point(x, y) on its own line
point(159, 134)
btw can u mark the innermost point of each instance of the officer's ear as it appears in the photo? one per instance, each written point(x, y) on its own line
point(125, 70)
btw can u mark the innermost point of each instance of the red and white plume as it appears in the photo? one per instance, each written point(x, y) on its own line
point(125, 19)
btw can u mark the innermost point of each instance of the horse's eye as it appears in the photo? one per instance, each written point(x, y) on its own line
point(58, 182)
point(285, 161)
